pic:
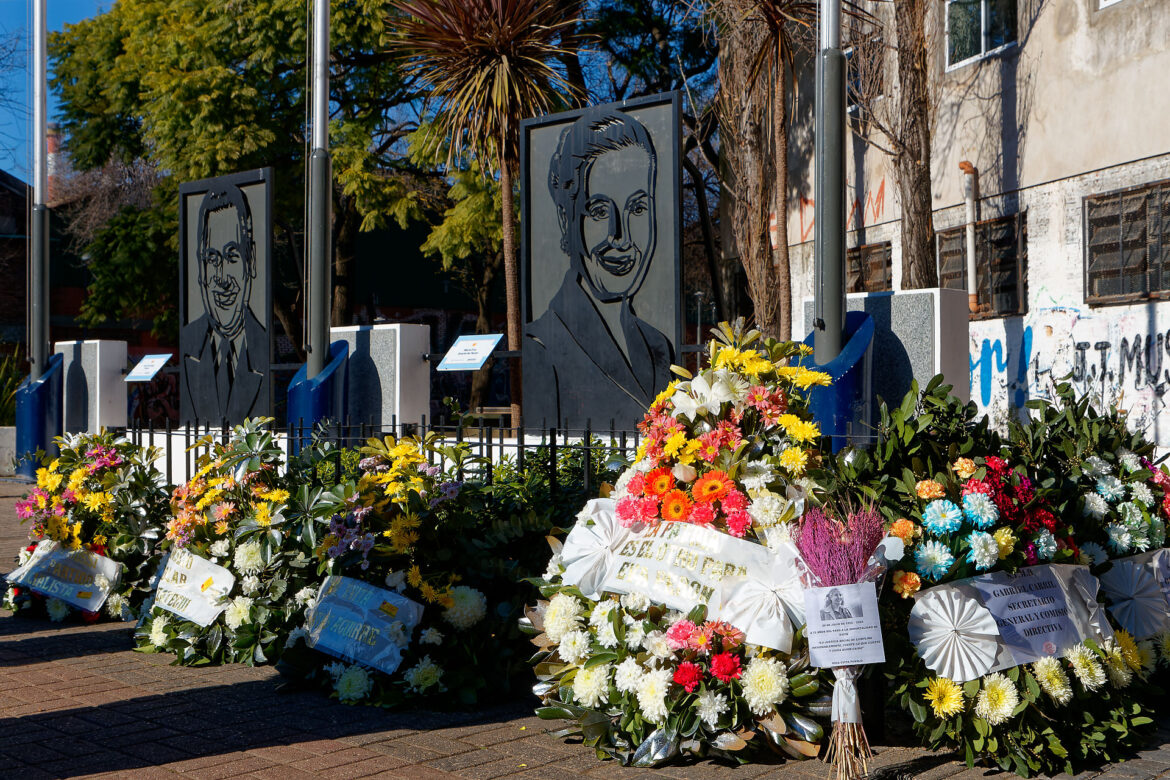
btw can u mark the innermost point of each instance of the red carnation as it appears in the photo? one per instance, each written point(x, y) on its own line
point(688, 675)
point(725, 667)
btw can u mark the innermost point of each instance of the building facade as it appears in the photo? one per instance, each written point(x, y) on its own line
point(1063, 109)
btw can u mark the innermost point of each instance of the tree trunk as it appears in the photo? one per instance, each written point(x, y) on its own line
point(708, 241)
point(511, 285)
point(345, 246)
point(481, 380)
point(912, 158)
point(782, 269)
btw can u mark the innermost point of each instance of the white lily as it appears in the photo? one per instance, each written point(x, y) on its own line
point(701, 397)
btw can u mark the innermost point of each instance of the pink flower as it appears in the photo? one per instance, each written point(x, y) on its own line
point(701, 639)
point(738, 523)
point(679, 635)
point(637, 485)
point(702, 514)
point(648, 510)
point(725, 667)
point(734, 501)
point(627, 511)
point(688, 675)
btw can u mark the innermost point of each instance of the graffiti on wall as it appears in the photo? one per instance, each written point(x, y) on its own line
point(1117, 356)
point(862, 211)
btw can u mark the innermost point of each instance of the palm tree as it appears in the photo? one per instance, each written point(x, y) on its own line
point(485, 65)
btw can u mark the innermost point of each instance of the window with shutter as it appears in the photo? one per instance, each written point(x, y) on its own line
point(1127, 245)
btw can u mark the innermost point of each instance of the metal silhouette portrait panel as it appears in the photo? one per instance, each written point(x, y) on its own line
point(225, 345)
point(600, 261)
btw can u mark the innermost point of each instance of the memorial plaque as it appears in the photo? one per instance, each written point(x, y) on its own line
point(225, 297)
point(361, 623)
point(844, 628)
point(193, 588)
point(600, 261)
point(80, 578)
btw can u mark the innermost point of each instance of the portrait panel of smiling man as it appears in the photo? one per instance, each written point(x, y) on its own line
point(225, 341)
point(600, 258)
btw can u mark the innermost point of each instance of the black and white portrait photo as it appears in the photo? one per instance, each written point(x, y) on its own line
point(225, 340)
point(601, 264)
point(835, 608)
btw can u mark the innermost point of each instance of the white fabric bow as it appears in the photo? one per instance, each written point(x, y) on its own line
point(590, 546)
point(760, 603)
point(956, 635)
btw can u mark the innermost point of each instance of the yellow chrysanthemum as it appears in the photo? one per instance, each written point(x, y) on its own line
point(76, 477)
point(803, 431)
point(674, 444)
point(414, 576)
point(794, 460)
point(667, 393)
point(263, 515)
point(944, 697)
point(1006, 541)
point(95, 501)
point(99, 539)
point(428, 593)
point(1129, 649)
point(56, 464)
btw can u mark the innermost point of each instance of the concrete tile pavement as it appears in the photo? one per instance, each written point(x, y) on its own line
point(75, 701)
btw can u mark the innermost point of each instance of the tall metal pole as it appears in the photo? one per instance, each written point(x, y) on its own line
point(320, 197)
point(829, 189)
point(38, 278)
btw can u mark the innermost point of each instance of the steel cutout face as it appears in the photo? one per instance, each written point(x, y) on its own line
point(600, 248)
point(225, 297)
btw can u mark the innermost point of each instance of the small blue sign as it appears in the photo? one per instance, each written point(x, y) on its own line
point(147, 368)
point(469, 353)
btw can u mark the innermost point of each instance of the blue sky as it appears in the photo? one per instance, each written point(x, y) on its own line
point(15, 125)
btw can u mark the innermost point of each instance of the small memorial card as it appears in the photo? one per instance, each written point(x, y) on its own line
point(469, 353)
point(193, 588)
point(80, 578)
point(843, 627)
point(361, 623)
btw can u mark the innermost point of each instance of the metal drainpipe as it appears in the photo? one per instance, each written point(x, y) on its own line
point(970, 186)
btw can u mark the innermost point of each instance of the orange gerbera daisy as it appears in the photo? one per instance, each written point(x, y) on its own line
point(712, 486)
point(659, 482)
point(676, 506)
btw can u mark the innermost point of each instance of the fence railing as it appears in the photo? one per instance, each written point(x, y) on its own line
point(487, 446)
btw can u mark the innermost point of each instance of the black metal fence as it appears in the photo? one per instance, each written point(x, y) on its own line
point(586, 448)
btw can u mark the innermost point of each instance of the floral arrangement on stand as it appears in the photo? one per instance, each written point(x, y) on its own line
point(726, 450)
point(103, 494)
point(407, 526)
point(239, 511)
point(1052, 715)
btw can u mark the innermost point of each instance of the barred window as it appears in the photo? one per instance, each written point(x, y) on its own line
point(1001, 263)
point(868, 268)
point(1127, 244)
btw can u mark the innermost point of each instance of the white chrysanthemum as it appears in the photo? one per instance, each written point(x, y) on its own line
point(711, 705)
point(102, 582)
point(158, 633)
point(607, 636)
point(425, 674)
point(58, 610)
point(651, 691)
point(1130, 514)
point(1053, 680)
point(1120, 538)
point(1086, 666)
point(1111, 488)
point(599, 616)
point(555, 567)
point(305, 595)
point(116, 605)
point(635, 633)
point(220, 548)
point(249, 558)
point(562, 616)
point(1045, 545)
point(1141, 493)
point(591, 686)
point(469, 608)
point(1095, 506)
point(1119, 672)
point(353, 684)
point(997, 699)
point(1093, 554)
point(767, 508)
point(574, 647)
point(397, 634)
point(238, 612)
point(1096, 467)
point(1147, 655)
point(250, 584)
point(765, 684)
point(984, 550)
point(396, 580)
point(636, 602)
point(335, 670)
point(430, 637)
point(756, 475)
point(655, 643)
point(297, 634)
point(1129, 461)
point(627, 674)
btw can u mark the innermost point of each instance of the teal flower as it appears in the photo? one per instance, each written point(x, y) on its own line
point(942, 517)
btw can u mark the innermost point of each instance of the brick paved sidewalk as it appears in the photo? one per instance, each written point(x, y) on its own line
point(76, 701)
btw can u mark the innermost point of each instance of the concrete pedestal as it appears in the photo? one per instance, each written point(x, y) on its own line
point(94, 387)
point(389, 379)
